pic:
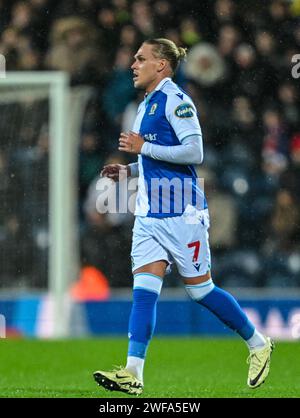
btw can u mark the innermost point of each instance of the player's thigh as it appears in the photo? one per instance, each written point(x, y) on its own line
point(158, 268)
point(188, 245)
point(198, 279)
point(147, 254)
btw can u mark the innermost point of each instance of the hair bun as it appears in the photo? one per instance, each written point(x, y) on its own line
point(181, 52)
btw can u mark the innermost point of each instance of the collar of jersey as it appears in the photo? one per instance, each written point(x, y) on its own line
point(158, 87)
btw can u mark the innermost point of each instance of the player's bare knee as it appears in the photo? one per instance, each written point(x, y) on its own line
point(197, 280)
point(158, 268)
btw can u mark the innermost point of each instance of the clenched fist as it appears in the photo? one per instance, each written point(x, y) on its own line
point(116, 172)
point(131, 142)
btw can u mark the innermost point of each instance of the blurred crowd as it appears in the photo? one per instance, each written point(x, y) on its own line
point(238, 72)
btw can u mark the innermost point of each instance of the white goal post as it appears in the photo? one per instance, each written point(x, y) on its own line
point(63, 248)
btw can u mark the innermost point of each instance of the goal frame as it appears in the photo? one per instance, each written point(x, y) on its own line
point(62, 196)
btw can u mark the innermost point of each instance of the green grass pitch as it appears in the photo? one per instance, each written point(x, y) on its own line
point(185, 368)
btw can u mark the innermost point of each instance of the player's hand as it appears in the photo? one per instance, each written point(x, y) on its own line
point(116, 172)
point(131, 142)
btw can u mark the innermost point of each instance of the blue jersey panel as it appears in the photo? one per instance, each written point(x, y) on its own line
point(165, 118)
point(155, 126)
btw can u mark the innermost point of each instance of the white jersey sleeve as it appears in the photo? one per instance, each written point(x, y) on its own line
point(189, 152)
point(134, 169)
point(182, 116)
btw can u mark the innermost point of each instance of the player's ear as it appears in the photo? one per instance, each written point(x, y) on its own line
point(162, 65)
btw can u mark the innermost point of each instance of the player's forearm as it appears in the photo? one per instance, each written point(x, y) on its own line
point(189, 152)
point(134, 169)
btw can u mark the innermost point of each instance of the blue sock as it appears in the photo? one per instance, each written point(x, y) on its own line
point(226, 308)
point(142, 321)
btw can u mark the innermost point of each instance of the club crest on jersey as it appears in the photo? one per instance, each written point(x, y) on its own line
point(184, 110)
point(153, 109)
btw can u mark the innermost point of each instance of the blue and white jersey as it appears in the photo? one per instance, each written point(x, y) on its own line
point(165, 117)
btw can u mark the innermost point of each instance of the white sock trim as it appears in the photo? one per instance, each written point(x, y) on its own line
point(199, 291)
point(148, 282)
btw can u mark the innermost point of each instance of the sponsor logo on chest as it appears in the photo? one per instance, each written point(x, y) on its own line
point(150, 137)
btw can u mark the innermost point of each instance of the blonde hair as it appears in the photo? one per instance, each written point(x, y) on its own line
point(167, 49)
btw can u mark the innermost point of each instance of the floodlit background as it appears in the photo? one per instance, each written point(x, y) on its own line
point(239, 74)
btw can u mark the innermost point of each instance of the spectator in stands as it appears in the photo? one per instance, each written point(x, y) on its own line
point(295, 151)
point(225, 10)
point(189, 32)
point(288, 99)
point(119, 91)
point(130, 37)
point(228, 38)
point(164, 15)
point(244, 127)
point(285, 222)
point(92, 285)
point(223, 213)
point(205, 65)
point(21, 16)
point(90, 159)
point(251, 77)
point(275, 143)
point(265, 44)
point(142, 17)
point(84, 8)
point(280, 21)
point(74, 48)
point(109, 30)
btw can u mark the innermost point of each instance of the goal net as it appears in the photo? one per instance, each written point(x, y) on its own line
point(39, 137)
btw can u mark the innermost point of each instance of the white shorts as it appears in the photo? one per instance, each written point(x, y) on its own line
point(174, 239)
